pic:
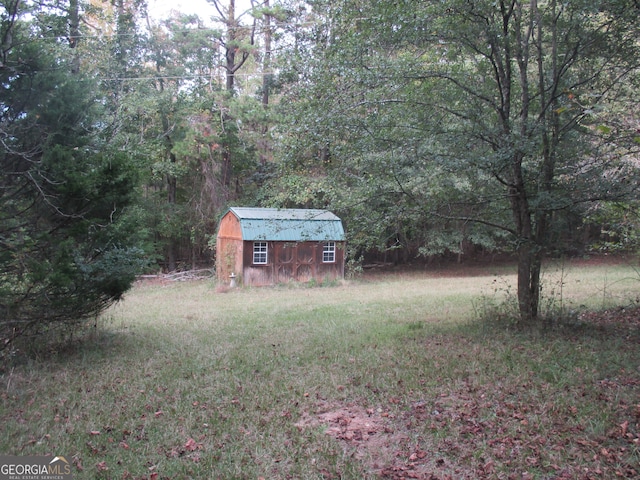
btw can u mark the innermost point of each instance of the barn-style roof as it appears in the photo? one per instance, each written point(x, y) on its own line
point(288, 225)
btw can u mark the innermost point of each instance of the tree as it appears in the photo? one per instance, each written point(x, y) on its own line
point(497, 115)
point(237, 43)
point(65, 253)
point(166, 85)
point(179, 107)
point(535, 77)
point(157, 84)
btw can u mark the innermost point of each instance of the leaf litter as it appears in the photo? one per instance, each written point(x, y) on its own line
point(465, 430)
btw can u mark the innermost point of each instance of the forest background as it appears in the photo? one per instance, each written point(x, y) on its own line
point(433, 129)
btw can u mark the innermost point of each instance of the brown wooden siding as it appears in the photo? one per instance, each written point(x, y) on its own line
point(292, 261)
point(228, 248)
point(230, 227)
point(286, 261)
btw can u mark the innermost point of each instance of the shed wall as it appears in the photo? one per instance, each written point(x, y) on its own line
point(287, 261)
point(230, 227)
point(291, 261)
point(228, 248)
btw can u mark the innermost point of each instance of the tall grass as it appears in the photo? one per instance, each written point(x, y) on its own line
point(179, 381)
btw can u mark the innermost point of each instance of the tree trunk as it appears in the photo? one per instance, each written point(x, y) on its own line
point(529, 270)
point(74, 34)
point(266, 85)
point(226, 164)
point(231, 47)
point(528, 228)
point(230, 54)
point(266, 67)
point(524, 283)
point(233, 62)
point(528, 251)
point(172, 247)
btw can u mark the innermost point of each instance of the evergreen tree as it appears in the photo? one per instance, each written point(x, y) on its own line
point(65, 253)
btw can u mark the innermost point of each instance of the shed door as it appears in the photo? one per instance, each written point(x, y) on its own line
point(305, 268)
point(285, 255)
point(294, 261)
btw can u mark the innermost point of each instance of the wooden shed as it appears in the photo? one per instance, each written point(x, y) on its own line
point(266, 246)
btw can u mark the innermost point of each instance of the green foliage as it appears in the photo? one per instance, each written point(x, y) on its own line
point(620, 228)
point(445, 124)
point(65, 252)
point(194, 142)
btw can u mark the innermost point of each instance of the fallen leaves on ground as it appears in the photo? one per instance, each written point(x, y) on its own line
point(189, 449)
point(463, 430)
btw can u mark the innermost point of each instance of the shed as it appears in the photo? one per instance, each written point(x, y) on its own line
point(266, 246)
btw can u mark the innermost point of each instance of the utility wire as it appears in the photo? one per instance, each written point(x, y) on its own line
point(186, 77)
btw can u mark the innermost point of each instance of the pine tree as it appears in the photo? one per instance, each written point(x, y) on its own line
point(65, 253)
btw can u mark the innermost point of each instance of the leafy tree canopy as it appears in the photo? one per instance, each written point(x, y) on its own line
point(492, 121)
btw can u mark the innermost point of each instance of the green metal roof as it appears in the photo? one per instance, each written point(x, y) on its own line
point(288, 225)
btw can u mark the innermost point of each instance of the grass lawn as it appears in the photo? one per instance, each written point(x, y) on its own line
point(388, 376)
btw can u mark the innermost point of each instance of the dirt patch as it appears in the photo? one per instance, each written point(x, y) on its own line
point(380, 440)
point(367, 433)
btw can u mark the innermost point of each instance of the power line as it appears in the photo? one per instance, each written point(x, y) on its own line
point(177, 32)
point(187, 77)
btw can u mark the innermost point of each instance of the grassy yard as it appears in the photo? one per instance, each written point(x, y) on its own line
point(390, 376)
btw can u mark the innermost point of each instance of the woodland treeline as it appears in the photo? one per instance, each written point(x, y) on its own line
point(431, 128)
